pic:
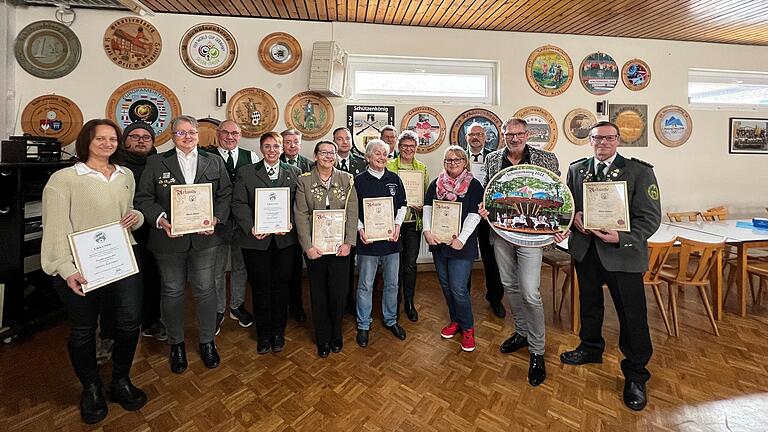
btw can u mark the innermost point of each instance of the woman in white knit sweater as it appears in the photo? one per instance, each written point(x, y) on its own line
point(94, 192)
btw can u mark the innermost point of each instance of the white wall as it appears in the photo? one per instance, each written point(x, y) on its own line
point(7, 99)
point(698, 175)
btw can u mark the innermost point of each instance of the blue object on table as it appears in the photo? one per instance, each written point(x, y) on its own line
point(748, 225)
point(760, 222)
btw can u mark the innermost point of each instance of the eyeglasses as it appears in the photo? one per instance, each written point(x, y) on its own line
point(515, 135)
point(607, 138)
point(234, 134)
point(183, 133)
point(407, 146)
point(476, 133)
point(146, 138)
point(453, 161)
point(326, 153)
point(103, 139)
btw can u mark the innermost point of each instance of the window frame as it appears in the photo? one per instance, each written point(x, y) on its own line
point(721, 76)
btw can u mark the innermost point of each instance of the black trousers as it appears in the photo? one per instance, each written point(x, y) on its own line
point(628, 294)
point(295, 301)
point(494, 290)
point(352, 285)
point(83, 313)
point(410, 241)
point(328, 286)
point(269, 273)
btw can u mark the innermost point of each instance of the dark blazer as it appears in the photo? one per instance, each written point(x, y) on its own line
point(249, 178)
point(631, 253)
point(153, 197)
point(304, 164)
point(485, 152)
point(357, 165)
point(311, 194)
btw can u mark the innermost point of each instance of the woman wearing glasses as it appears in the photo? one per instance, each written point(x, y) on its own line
point(326, 188)
point(410, 231)
point(453, 261)
point(92, 193)
point(268, 257)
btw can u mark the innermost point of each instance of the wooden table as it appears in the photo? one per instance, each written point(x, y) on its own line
point(743, 239)
point(666, 232)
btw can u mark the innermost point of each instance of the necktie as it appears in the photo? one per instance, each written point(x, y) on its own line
point(230, 163)
point(292, 161)
point(600, 174)
point(344, 165)
point(475, 157)
point(271, 171)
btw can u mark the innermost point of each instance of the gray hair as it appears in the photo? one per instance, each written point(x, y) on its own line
point(373, 145)
point(183, 118)
point(221, 125)
point(386, 128)
point(515, 121)
point(458, 151)
point(408, 135)
point(291, 131)
point(469, 128)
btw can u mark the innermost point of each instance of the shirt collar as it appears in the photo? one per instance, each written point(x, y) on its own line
point(607, 162)
point(83, 169)
point(276, 166)
point(190, 156)
point(224, 152)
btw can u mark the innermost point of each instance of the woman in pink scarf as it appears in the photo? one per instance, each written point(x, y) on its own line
point(454, 257)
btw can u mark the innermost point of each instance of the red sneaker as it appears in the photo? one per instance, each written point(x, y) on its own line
point(468, 340)
point(449, 330)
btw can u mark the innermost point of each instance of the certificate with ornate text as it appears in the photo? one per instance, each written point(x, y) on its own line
point(328, 230)
point(103, 255)
point(606, 206)
point(379, 217)
point(413, 182)
point(191, 208)
point(446, 220)
point(272, 210)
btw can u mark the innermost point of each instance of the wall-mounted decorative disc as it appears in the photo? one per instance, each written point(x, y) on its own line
point(208, 50)
point(52, 116)
point(309, 113)
point(47, 49)
point(490, 122)
point(549, 70)
point(132, 43)
point(672, 126)
point(632, 120)
point(542, 129)
point(598, 73)
point(636, 74)
point(280, 53)
point(148, 101)
point(428, 124)
point(576, 125)
point(254, 110)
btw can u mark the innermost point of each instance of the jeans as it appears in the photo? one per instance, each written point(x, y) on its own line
point(520, 270)
point(197, 265)
point(410, 240)
point(367, 265)
point(237, 277)
point(453, 274)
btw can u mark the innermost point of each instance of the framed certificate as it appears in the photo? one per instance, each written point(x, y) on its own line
point(478, 171)
point(606, 206)
point(379, 216)
point(272, 210)
point(103, 255)
point(328, 230)
point(413, 182)
point(191, 208)
point(446, 220)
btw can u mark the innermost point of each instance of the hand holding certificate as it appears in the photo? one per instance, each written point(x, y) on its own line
point(103, 255)
point(328, 230)
point(413, 182)
point(191, 208)
point(606, 206)
point(446, 220)
point(272, 210)
point(379, 217)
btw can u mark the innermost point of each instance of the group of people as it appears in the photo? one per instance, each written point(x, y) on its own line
point(119, 178)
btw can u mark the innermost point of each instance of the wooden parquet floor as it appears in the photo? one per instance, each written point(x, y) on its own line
point(700, 382)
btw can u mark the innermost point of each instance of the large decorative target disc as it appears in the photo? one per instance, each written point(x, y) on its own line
point(47, 49)
point(52, 116)
point(148, 101)
point(208, 50)
point(254, 110)
point(542, 129)
point(428, 124)
point(309, 113)
point(132, 43)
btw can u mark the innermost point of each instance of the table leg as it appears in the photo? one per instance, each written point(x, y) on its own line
point(575, 307)
point(741, 277)
point(716, 282)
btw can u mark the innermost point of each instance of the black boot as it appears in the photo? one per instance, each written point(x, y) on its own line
point(123, 392)
point(410, 310)
point(93, 407)
point(122, 353)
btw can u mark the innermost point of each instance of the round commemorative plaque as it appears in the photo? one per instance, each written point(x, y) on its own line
point(542, 129)
point(428, 125)
point(672, 126)
point(148, 101)
point(280, 53)
point(52, 116)
point(528, 205)
point(208, 50)
point(47, 49)
point(254, 110)
point(132, 43)
point(490, 122)
point(576, 125)
point(636, 74)
point(549, 70)
point(309, 113)
point(598, 73)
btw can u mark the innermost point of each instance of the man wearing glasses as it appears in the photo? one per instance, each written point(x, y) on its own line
point(228, 136)
point(520, 267)
point(617, 259)
point(188, 256)
point(388, 134)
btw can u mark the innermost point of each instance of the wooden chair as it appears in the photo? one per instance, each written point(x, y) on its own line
point(657, 257)
point(690, 216)
point(707, 256)
point(759, 269)
point(558, 261)
point(715, 214)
